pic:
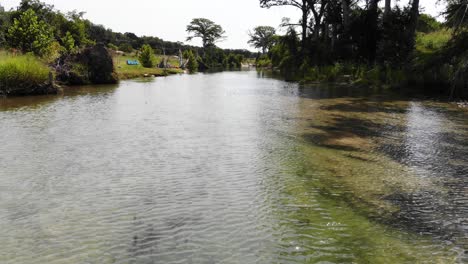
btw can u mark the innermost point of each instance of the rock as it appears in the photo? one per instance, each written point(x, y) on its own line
point(100, 65)
point(93, 65)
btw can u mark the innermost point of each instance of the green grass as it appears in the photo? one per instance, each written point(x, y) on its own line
point(125, 71)
point(21, 72)
point(428, 43)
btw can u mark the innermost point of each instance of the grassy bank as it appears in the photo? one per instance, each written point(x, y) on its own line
point(125, 71)
point(22, 72)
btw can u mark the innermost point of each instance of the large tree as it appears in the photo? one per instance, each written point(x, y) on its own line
point(207, 30)
point(303, 5)
point(262, 37)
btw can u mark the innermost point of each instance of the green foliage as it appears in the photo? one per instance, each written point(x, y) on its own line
point(285, 54)
point(207, 30)
point(21, 72)
point(192, 64)
point(263, 62)
point(29, 34)
point(433, 41)
point(233, 61)
point(77, 28)
point(146, 57)
point(112, 47)
point(456, 14)
point(428, 24)
point(52, 52)
point(4, 25)
point(212, 57)
point(262, 37)
point(68, 42)
point(125, 47)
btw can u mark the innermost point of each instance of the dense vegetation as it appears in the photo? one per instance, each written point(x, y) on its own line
point(359, 41)
point(19, 73)
point(61, 42)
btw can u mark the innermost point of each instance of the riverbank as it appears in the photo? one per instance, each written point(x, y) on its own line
point(24, 75)
point(125, 71)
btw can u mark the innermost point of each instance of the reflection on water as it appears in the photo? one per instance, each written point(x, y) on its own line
point(231, 167)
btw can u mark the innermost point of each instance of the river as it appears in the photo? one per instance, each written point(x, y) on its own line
point(232, 167)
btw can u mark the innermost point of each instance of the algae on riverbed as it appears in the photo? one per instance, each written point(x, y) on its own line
point(365, 156)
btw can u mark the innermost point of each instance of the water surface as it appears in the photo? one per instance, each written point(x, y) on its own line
point(232, 167)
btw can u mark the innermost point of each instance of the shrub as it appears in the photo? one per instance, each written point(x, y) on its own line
point(263, 62)
point(192, 64)
point(146, 57)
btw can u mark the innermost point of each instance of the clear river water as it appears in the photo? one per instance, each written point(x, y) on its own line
point(232, 167)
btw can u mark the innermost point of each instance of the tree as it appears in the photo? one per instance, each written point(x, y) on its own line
point(346, 14)
point(147, 56)
point(68, 42)
point(372, 21)
point(207, 30)
point(388, 8)
point(43, 11)
point(4, 21)
point(125, 47)
point(457, 14)
point(303, 5)
point(262, 38)
point(413, 23)
point(428, 24)
point(77, 27)
point(192, 64)
point(29, 34)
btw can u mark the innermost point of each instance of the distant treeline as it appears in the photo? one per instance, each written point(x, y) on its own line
point(62, 30)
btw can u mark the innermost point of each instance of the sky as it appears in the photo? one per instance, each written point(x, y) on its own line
point(167, 19)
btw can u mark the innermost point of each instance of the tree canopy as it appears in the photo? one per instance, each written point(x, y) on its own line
point(29, 34)
point(262, 37)
point(207, 30)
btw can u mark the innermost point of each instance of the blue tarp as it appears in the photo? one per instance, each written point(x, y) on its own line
point(132, 62)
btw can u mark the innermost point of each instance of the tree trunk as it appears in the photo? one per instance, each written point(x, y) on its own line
point(388, 8)
point(411, 34)
point(333, 37)
point(345, 6)
point(305, 16)
point(414, 17)
point(372, 21)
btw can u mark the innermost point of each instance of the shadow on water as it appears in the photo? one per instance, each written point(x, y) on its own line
point(429, 139)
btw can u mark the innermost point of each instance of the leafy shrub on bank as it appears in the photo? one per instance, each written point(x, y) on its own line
point(192, 64)
point(146, 57)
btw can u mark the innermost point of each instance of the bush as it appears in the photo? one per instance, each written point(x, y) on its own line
point(192, 64)
point(29, 34)
point(21, 73)
point(263, 62)
point(146, 57)
point(127, 48)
